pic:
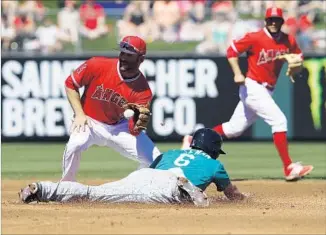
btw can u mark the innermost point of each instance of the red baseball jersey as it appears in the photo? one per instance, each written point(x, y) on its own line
point(261, 50)
point(106, 91)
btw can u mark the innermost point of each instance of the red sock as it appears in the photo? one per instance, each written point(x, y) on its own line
point(281, 144)
point(219, 130)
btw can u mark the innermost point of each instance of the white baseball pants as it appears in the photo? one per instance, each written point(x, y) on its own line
point(255, 101)
point(139, 148)
point(142, 186)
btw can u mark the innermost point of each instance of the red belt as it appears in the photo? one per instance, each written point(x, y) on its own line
point(265, 84)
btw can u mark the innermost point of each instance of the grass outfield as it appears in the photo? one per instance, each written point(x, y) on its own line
point(248, 160)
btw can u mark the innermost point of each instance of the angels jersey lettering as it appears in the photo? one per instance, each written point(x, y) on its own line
point(261, 50)
point(106, 91)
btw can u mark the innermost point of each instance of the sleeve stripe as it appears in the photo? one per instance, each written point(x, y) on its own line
point(74, 80)
point(234, 48)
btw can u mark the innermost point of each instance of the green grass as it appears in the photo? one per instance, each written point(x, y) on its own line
point(247, 160)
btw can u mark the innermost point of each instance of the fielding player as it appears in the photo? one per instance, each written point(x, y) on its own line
point(111, 87)
point(266, 51)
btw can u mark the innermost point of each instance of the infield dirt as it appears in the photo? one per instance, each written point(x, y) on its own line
point(275, 207)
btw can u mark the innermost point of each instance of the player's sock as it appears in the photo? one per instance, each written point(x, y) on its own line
point(281, 144)
point(219, 130)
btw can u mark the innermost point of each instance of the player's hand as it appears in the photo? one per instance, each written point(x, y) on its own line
point(80, 123)
point(233, 194)
point(141, 116)
point(295, 63)
point(239, 79)
point(245, 196)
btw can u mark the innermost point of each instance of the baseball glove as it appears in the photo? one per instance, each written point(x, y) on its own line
point(141, 116)
point(294, 64)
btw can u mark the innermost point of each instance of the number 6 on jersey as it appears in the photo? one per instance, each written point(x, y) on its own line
point(182, 159)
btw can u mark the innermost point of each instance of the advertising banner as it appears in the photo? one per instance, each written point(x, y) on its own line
point(188, 93)
point(309, 99)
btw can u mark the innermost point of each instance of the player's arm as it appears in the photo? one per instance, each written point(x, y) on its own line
point(236, 48)
point(294, 59)
point(295, 49)
point(233, 193)
point(223, 184)
point(79, 78)
point(230, 191)
point(75, 102)
point(239, 78)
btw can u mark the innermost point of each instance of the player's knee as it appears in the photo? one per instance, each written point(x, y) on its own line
point(280, 125)
point(232, 130)
point(76, 145)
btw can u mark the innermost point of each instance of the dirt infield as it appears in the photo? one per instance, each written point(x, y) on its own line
point(276, 207)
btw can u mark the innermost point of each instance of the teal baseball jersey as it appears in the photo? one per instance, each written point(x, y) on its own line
point(197, 166)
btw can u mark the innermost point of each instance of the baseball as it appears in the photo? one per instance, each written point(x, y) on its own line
point(128, 113)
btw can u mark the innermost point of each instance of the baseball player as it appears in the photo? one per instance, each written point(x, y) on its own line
point(266, 50)
point(111, 87)
point(176, 176)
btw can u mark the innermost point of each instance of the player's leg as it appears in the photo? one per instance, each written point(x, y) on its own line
point(140, 148)
point(141, 186)
point(78, 142)
point(260, 100)
point(242, 118)
point(46, 191)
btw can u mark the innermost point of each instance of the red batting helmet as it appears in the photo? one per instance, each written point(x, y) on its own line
point(274, 12)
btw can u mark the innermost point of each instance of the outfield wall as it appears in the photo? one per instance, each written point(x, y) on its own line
point(189, 92)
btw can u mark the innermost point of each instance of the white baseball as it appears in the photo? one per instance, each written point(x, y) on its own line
point(128, 113)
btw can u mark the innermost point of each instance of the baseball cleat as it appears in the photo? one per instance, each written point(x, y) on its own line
point(186, 142)
point(197, 195)
point(28, 194)
point(296, 171)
